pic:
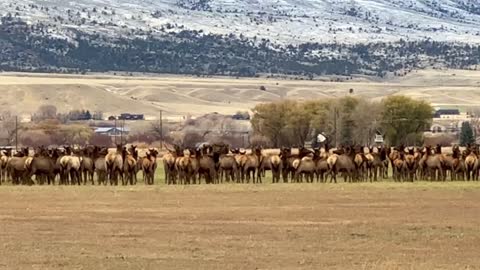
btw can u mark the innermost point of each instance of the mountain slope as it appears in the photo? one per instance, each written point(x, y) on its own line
point(281, 21)
point(297, 38)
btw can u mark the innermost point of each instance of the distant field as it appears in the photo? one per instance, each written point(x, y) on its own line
point(286, 226)
point(180, 96)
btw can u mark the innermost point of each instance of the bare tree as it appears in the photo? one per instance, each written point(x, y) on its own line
point(97, 115)
point(45, 112)
point(366, 117)
point(8, 127)
point(159, 131)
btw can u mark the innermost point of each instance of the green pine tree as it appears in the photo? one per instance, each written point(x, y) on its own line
point(466, 134)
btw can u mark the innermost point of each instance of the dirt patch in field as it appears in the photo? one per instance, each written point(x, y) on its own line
point(239, 227)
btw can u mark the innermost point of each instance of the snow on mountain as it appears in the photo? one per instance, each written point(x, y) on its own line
point(280, 21)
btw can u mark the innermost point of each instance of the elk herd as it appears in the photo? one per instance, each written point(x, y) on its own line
point(218, 163)
point(77, 166)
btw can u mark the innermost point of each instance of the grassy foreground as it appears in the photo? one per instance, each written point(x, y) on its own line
point(286, 226)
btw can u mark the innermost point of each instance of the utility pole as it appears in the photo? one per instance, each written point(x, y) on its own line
point(335, 126)
point(369, 139)
point(115, 132)
point(245, 140)
point(161, 129)
point(122, 123)
point(16, 133)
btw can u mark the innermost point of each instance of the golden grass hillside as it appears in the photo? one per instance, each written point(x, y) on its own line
point(178, 96)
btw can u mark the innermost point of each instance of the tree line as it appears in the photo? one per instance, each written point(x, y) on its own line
point(344, 121)
point(49, 112)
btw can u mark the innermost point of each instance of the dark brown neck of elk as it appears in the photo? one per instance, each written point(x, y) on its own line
point(383, 153)
point(438, 149)
point(428, 151)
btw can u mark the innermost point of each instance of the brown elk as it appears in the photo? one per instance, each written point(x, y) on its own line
point(17, 168)
point(421, 171)
point(321, 163)
point(305, 165)
point(228, 167)
point(392, 156)
point(169, 162)
point(276, 167)
point(88, 165)
point(342, 161)
point(207, 165)
point(411, 165)
point(115, 165)
point(360, 164)
point(433, 163)
point(458, 164)
point(265, 165)
point(42, 166)
point(191, 165)
point(471, 163)
point(399, 167)
point(130, 165)
point(383, 153)
point(375, 164)
point(4, 159)
point(288, 160)
point(251, 166)
point(182, 164)
point(287, 163)
point(101, 165)
point(149, 166)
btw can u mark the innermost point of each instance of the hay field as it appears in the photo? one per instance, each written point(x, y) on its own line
point(286, 226)
point(179, 96)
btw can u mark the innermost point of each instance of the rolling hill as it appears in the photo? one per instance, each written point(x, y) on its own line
point(182, 96)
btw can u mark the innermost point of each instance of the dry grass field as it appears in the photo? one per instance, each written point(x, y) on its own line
point(286, 226)
point(383, 225)
point(179, 96)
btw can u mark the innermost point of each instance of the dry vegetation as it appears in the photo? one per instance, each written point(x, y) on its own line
point(361, 226)
point(288, 226)
point(180, 96)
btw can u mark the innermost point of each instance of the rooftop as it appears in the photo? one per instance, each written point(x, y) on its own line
point(108, 129)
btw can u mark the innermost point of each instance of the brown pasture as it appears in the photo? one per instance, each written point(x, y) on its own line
point(357, 226)
point(179, 96)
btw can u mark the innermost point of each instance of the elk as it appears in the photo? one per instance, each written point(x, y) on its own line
point(17, 168)
point(228, 167)
point(115, 165)
point(471, 163)
point(169, 162)
point(322, 164)
point(130, 164)
point(88, 165)
point(342, 161)
point(207, 165)
point(101, 165)
point(149, 166)
point(411, 165)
